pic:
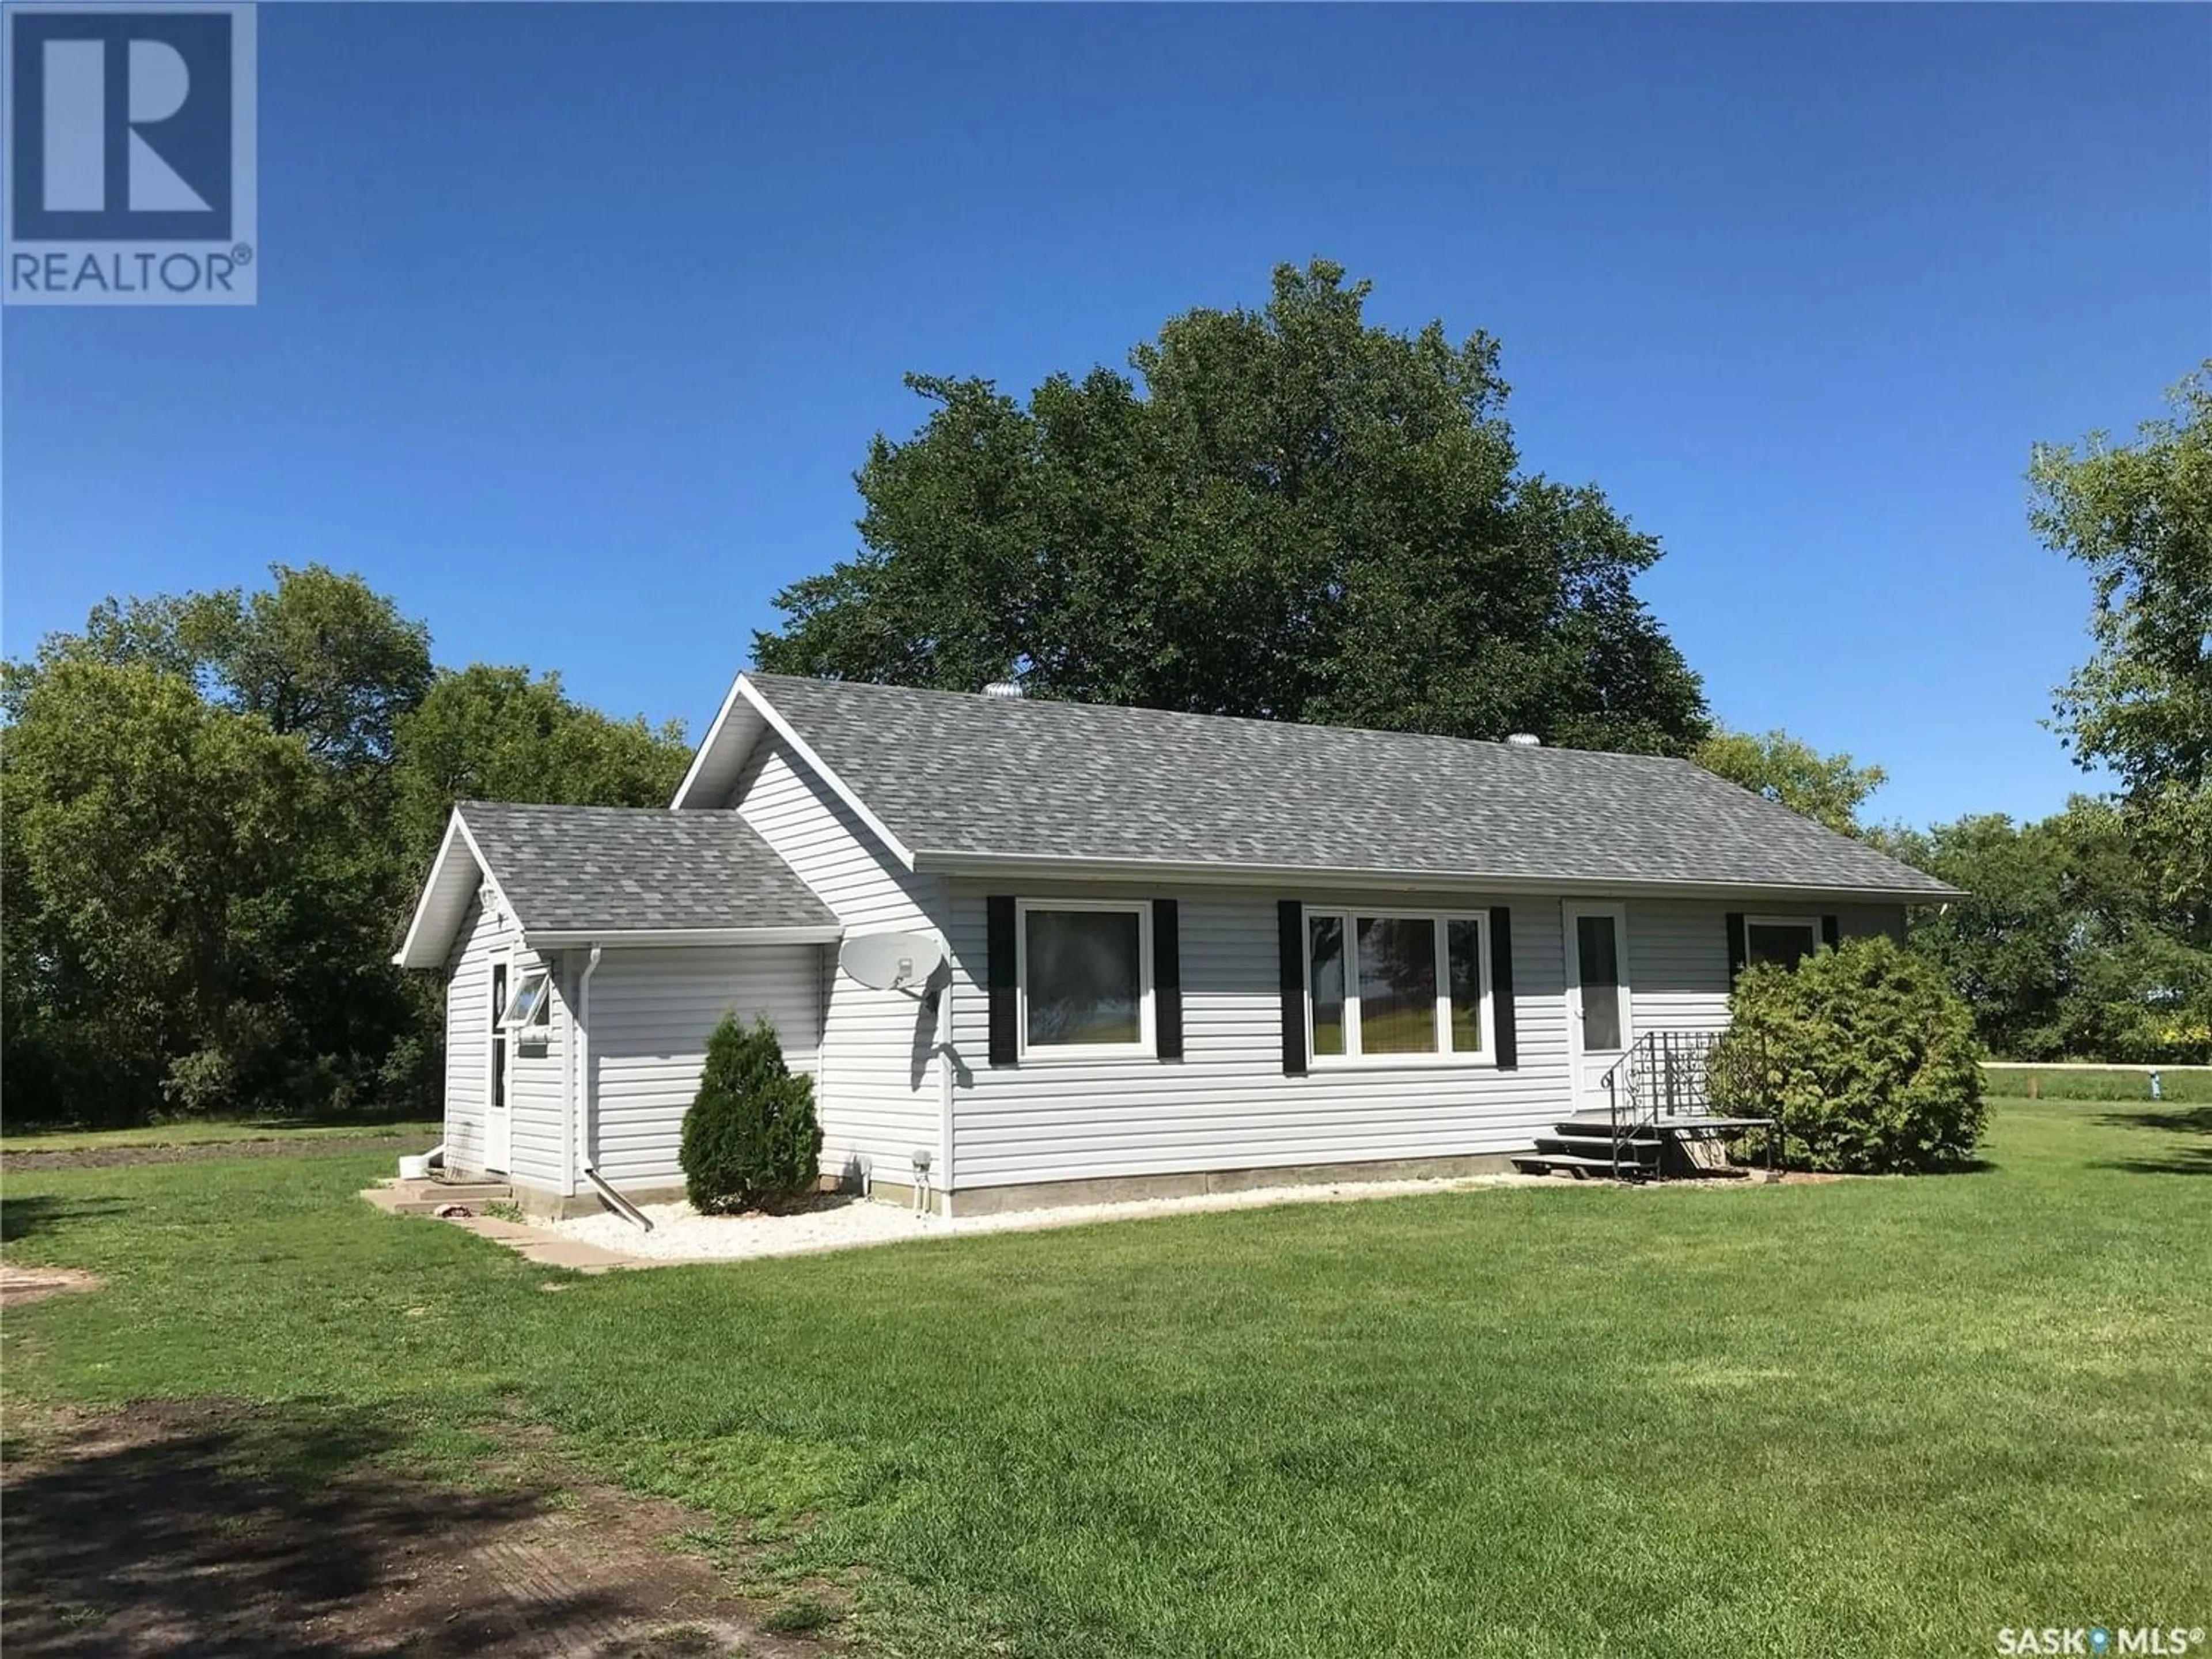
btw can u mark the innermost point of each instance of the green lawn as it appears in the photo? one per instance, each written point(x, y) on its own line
point(2064, 1082)
point(1882, 1417)
point(205, 1131)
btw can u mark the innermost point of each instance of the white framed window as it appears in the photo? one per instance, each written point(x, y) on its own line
point(1083, 972)
point(529, 1010)
point(1786, 940)
point(1392, 987)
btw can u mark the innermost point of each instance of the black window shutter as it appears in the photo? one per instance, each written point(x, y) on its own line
point(1291, 923)
point(1501, 986)
point(1167, 979)
point(1737, 952)
point(1832, 931)
point(999, 972)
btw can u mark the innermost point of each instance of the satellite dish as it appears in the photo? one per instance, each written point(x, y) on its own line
point(891, 962)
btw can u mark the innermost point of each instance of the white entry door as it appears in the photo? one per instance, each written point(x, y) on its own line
point(1598, 1026)
point(499, 1119)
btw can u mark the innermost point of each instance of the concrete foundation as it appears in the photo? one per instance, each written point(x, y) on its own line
point(554, 1206)
point(1062, 1194)
point(1128, 1189)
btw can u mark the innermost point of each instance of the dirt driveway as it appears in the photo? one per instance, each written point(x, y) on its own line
point(115, 1157)
point(203, 1527)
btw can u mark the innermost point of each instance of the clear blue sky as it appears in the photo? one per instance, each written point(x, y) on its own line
point(575, 321)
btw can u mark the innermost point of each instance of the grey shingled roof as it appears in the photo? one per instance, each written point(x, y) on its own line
point(619, 869)
point(949, 773)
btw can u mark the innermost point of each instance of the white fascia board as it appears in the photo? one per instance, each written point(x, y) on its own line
point(708, 744)
point(569, 938)
point(484, 865)
point(838, 786)
point(455, 832)
point(1206, 875)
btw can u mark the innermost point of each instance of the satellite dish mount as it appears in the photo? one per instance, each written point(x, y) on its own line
point(892, 961)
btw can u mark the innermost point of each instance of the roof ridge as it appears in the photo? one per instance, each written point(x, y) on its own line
point(1146, 710)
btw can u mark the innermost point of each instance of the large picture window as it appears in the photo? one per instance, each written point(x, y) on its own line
point(1394, 988)
point(1085, 973)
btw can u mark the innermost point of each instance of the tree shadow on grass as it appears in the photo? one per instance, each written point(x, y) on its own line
point(27, 1214)
point(2171, 1158)
point(181, 1528)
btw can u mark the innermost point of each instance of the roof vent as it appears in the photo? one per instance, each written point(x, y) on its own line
point(1010, 690)
point(1525, 741)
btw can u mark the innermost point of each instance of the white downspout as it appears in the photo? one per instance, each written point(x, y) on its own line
point(945, 1081)
point(569, 1079)
point(586, 1101)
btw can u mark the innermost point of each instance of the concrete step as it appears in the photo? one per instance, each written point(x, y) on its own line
point(428, 1197)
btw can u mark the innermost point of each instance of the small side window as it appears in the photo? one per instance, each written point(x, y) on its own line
point(531, 1008)
point(1784, 940)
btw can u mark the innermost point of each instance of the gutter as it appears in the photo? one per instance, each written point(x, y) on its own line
point(556, 938)
point(1154, 871)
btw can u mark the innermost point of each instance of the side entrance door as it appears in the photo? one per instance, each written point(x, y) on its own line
point(499, 1123)
point(1598, 1025)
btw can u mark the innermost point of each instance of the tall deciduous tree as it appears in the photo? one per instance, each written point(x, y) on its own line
point(486, 733)
point(317, 654)
point(1300, 516)
point(2140, 517)
point(218, 808)
point(175, 914)
point(1827, 788)
point(2061, 944)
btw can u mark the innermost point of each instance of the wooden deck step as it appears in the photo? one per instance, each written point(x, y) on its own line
point(1577, 1164)
point(1687, 1123)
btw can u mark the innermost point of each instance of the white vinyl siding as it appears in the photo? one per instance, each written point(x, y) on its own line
point(1678, 953)
point(468, 1039)
point(651, 1012)
point(877, 1086)
point(1227, 1104)
point(537, 1089)
point(1678, 965)
point(536, 1095)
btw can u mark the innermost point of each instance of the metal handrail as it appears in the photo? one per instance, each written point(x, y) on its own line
point(1622, 1072)
point(1665, 1074)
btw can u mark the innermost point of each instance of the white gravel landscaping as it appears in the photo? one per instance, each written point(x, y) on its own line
point(682, 1234)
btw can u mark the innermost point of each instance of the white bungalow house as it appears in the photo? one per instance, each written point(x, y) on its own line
point(1178, 952)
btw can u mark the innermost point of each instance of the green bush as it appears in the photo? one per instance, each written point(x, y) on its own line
point(1865, 1055)
point(751, 1138)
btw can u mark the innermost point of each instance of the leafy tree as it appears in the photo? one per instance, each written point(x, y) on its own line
point(168, 908)
point(486, 733)
point(324, 656)
point(1865, 1056)
point(1302, 516)
point(318, 654)
point(215, 824)
point(1826, 789)
point(2062, 944)
point(750, 1137)
point(2140, 517)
